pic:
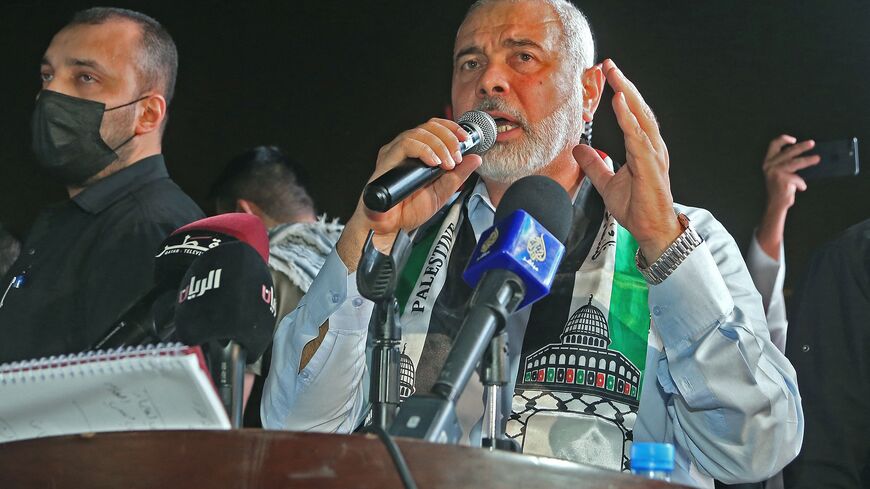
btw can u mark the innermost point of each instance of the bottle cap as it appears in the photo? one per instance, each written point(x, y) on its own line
point(652, 456)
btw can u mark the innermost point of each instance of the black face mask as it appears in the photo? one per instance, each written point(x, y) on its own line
point(66, 137)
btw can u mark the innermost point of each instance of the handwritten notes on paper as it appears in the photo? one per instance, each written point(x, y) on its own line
point(152, 393)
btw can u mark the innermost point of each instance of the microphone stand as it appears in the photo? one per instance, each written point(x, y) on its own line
point(227, 366)
point(494, 373)
point(432, 417)
point(377, 278)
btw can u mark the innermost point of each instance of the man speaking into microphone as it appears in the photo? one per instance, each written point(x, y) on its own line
point(652, 330)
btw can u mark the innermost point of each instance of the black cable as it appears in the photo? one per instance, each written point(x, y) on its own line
point(395, 454)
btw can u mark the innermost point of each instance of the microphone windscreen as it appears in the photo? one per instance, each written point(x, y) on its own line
point(543, 199)
point(487, 127)
point(227, 295)
point(244, 227)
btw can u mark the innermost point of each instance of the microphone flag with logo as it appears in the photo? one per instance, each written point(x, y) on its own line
point(227, 295)
point(190, 241)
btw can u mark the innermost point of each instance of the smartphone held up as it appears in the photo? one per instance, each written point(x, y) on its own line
point(838, 159)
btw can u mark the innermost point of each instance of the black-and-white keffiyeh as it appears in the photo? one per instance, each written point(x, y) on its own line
point(298, 250)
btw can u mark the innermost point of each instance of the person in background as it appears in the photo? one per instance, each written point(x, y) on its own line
point(263, 182)
point(829, 345)
point(108, 78)
point(765, 257)
point(827, 330)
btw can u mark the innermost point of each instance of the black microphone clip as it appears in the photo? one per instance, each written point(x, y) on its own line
point(377, 278)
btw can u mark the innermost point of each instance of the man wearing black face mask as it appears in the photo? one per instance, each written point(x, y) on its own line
point(107, 79)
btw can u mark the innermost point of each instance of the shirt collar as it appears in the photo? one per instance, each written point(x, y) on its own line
point(100, 195)
point(480, 197)
point(481, 212)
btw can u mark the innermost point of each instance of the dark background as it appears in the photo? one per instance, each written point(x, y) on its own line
point(332, 81)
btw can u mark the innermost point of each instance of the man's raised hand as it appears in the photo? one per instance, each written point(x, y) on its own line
point(639, 193)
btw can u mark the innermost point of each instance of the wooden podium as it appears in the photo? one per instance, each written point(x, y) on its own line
point(275, 459)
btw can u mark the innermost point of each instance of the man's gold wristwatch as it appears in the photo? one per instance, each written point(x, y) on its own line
point(675, 253)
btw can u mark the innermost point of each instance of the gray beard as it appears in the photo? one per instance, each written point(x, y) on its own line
point(507, 162)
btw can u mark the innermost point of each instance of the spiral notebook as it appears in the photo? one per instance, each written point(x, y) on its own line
point(161, 387)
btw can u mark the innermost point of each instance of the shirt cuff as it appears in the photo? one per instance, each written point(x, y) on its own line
point(767, 274)
point(690, 301)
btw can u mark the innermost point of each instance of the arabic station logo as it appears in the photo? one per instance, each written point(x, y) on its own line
point(191, 244)
point(198, 287)
point(536, 248)
point(490, 240)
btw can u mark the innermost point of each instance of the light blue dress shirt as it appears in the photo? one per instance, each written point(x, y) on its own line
point(716, 386)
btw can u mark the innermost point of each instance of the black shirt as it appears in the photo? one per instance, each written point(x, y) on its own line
point(829, 346)
point(87, 260)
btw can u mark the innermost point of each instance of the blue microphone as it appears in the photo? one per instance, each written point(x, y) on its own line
point(513, 265)
point(508, 269)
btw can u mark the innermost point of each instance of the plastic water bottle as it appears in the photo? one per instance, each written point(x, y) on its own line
point(652, 460)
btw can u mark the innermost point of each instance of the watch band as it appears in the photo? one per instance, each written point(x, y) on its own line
point(675, 253)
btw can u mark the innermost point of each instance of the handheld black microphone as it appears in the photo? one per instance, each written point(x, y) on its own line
point(227, 304)
point(411, 175)
point(513, 265)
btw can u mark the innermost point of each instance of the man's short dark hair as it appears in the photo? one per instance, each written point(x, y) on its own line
point(9, 250)
point(266, 177)
point(158, 60)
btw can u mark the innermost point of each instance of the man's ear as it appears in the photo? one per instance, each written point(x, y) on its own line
point(593, 86)
point(153, 113)
point(247, 207)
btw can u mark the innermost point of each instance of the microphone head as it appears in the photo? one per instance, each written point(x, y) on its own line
point(485, 125)
point(227, 295)
point(244, 227)
point(531, 224)
point(179, 250)
point(190, 241)
point(543, 199)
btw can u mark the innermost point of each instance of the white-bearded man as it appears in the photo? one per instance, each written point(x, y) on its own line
point(618, 352)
